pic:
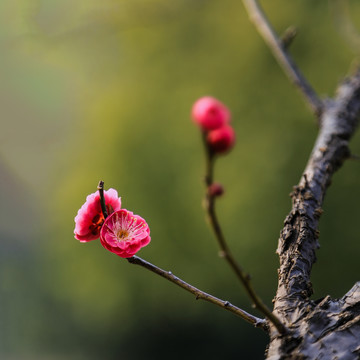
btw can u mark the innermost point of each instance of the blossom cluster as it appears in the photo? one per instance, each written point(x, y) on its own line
point(213, 117)
point(121, 232)
point(124, 233)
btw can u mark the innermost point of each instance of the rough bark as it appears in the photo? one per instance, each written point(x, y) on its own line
point(324, 329)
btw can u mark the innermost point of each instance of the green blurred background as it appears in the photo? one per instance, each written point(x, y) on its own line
point(94, 90)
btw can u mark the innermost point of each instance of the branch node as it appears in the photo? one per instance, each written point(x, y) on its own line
point(260, 323)
point(288, 37)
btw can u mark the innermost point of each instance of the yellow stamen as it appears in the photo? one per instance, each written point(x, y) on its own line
point(122, 234)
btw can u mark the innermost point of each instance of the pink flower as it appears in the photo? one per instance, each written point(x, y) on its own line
point(90, 218)
point(124, 233)
point(221, 140)
point(210, 113)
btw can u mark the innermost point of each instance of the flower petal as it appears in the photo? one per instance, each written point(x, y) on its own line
point(124, 233)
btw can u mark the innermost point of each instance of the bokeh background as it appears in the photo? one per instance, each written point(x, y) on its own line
point(94, 90)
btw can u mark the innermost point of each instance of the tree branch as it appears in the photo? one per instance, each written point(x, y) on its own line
point(329, 325)
point(257, 322)
point(298, 239)
point(263, 26)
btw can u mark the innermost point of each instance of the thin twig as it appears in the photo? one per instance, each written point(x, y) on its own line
point(263, 26)
point(102, 198)
point(257, 322)
point(225, 251)
point(288, 37)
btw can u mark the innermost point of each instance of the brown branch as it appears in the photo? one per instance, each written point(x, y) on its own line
point(257, 322)
point(224, 249)
point(263, 26)
point(338, 120)
point(329, 325)
point(298, 239)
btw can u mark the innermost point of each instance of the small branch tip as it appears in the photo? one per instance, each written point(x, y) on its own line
point(288, 37)
point(100, 187)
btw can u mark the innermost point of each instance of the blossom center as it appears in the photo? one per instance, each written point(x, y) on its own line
point(122, 234)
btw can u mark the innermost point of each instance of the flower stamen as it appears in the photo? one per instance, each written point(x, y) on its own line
point(122, 234)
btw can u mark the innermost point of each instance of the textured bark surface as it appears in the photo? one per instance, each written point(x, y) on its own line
point(326, 329)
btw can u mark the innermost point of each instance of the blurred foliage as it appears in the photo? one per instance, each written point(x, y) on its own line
point(96, 90)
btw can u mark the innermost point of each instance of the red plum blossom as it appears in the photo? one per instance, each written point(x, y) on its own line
point(90, 218)
point(124, 233)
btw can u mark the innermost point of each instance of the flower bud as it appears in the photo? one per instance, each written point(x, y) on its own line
point(209, 113)
point(215, 190)
point(221, 140)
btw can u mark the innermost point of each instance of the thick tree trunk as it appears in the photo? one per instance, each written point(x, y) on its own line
point(323, 329)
